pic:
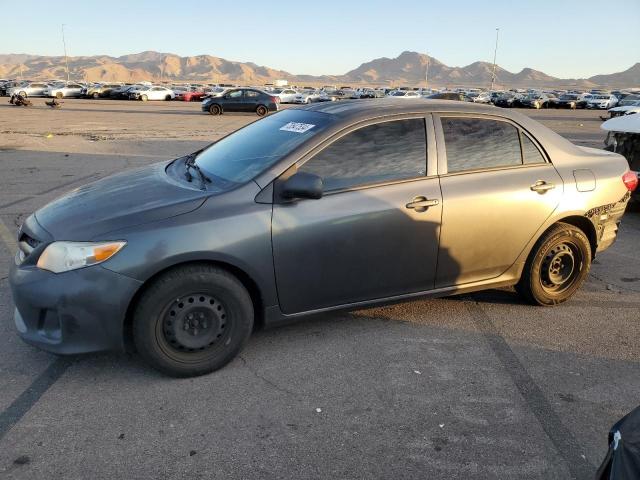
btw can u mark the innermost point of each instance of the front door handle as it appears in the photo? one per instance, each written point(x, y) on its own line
point(542, 187)
point(420, 204)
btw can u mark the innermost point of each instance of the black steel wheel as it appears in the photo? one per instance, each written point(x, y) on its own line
point(192, 320)
point(215, 109)
point(261, 110)
point(557, 266)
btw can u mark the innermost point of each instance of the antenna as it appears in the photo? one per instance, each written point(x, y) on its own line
point(66, 59)
point(495, 53)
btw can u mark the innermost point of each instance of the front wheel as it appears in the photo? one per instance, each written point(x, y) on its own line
point(59, 95)
point(144, 98)
point(557, 266)
point(167, 98)
point(192, 320)
point(95, 95)
point(261, 110)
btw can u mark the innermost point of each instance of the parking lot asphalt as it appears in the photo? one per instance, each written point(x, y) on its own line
point(478, 386)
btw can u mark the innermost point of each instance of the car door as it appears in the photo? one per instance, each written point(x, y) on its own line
point(498, 188)
point(233, 101)
point(374, 233)
point(250, 100)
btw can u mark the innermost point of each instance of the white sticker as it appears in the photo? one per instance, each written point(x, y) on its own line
point(297, 127)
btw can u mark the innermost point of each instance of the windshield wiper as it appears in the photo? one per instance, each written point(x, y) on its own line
point(189, 164)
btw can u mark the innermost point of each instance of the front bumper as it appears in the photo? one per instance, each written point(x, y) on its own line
point(74, 312)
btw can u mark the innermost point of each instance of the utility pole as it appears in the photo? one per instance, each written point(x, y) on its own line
point(426, 75)
point(66, 59)
point(495, 54)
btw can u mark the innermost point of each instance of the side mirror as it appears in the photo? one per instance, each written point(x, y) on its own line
point(302, 185)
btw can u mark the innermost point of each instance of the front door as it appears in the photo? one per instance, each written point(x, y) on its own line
point(497, 191)
point(234, 101)
point(374, 234)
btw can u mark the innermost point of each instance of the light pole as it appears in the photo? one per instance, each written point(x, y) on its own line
point(495, 53)
point(66, 59)
point(426, 75)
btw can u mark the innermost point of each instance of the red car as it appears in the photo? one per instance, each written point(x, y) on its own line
point(190, 96)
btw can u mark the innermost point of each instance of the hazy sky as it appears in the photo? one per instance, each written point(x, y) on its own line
point(563, 38)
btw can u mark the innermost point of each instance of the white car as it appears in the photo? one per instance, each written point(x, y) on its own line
point(602, 101)
point(626, 107)
point(68, 90)
point(33, 89)
point(316, 96)
point(286, 95)
point(152, 93)
point(482, 97)
point(405, 94)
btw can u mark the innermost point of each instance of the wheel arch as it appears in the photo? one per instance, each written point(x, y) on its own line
point(247, 281)
point(587, 227)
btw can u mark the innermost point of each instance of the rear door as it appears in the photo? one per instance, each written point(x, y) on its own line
point(498, 188)
point(250, 100)
point(374, 233)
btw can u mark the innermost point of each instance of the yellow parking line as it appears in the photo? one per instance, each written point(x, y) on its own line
point(8, 238)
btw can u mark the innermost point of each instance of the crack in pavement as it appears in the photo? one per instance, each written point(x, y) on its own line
point(264, 379)
point(563, 440)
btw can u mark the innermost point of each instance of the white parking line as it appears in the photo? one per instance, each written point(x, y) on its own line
point(8, 238)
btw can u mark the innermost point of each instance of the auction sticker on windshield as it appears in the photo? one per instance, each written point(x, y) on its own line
point(297, 127)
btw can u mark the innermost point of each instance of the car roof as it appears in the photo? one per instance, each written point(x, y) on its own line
point(355, 110)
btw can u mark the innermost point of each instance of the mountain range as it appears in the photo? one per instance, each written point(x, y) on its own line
point(409, 69)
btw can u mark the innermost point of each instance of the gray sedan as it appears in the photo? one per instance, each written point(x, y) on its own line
point(317, 208)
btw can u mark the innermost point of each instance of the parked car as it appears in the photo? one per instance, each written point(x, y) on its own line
point(102, 90)
point(482, 97)
point(151, 93)
point(189, 96)
point(602, 102)
point(317, 96)
point(309, 210)
point(29, 89)
point(460, 97)
point(286, 95)
point(406, 94)
point(623, 137)
point(242, 100)
point(570, 100)
point(64, 91)
point(630, 105)
point(534, 100)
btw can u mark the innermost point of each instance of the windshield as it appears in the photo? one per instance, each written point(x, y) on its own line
point(569, 97)
point(244, 154)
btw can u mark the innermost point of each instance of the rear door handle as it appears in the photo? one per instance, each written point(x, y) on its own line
point(420, 204)
point(542, 187)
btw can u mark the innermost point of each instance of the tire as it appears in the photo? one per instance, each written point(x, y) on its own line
point(192, 320)
point(95, 95)
point(167, 98)
point(59, 95)
point(308, 101)
point(215, 109)
point(23, 94)
point(144, 98)
point(557, 266)
point(262, 110)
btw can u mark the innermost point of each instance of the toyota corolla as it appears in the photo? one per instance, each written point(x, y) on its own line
point(317, 208)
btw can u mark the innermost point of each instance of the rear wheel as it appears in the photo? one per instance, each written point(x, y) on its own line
point(23, 94)
point(261, 110)
point(167, 98)
point(192, 320)
point(95, 95)
point(557, 266)
point(59, 95)
point(215, 109)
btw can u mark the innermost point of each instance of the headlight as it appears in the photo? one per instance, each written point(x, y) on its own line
point(64, 256)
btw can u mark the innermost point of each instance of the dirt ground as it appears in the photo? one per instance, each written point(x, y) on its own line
point(478, 386)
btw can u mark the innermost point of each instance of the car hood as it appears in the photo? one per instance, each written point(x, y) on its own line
point(118, 201)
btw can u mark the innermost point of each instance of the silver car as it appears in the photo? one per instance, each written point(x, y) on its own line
point(316, 208)
point(29, 89)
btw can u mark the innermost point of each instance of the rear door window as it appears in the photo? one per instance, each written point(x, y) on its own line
point(476, 144)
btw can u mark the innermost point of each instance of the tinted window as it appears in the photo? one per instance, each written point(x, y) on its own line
point(376, 153)
point(252, 94)
point(235, 94)
point(473, 143)
point(530, 152)
point(244, 154)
